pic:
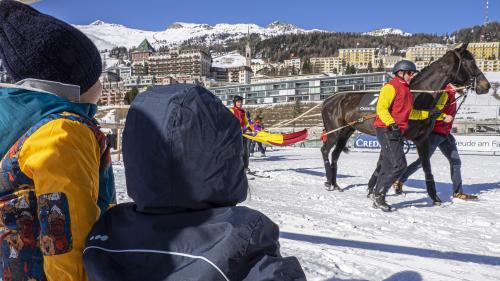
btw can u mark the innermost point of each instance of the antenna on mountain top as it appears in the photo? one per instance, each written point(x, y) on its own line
point(486, 21)
point(486, 18)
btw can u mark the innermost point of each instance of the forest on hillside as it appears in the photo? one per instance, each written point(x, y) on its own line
point(322, 44)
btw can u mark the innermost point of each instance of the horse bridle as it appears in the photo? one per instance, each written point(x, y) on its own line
point(472, 83)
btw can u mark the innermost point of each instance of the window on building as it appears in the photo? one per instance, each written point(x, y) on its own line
point(302, 91)
point(327, 90)
point(327, 83)
point(302, 85)
point(272, 93)
point(345, 88)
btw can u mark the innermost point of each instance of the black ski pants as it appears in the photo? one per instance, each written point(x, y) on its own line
point(448, 146)
point(246, 155)
point(393, 159)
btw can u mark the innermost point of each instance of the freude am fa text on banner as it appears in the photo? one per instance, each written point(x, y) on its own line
point(464, 143)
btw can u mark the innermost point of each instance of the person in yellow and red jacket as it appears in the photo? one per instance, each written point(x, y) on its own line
point(441, 137)
point(242, 117)
point(55, 166)
point(394, 107)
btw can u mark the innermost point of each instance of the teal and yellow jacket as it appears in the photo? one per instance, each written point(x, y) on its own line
point(55, 181)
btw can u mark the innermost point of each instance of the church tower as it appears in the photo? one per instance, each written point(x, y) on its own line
point(248, 50)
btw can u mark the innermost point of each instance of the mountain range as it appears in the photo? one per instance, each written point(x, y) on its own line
point(109, 35)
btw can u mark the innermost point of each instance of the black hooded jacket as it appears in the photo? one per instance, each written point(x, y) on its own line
point(183, 164)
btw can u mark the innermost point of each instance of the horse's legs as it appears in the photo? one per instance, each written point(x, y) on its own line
point(373, 179)
point(339, 147)
point(423, 154)
point(325, 150)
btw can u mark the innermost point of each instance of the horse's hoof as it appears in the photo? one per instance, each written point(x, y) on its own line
point(398, 187)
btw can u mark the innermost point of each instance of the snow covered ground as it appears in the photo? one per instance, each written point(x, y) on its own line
point(338, 236)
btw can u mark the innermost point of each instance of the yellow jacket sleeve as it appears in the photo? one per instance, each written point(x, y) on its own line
point(247, 123)
point(441, 104)
point(62, 159)
point(385, 99)
point(419, 114)
point(424, 114)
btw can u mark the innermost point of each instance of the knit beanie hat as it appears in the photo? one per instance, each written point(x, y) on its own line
point(38, 46)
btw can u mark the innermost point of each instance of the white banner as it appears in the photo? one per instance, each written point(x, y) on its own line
point(464, 143)
point(478, 143)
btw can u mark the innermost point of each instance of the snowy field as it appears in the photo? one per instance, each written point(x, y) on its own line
point(338, 236)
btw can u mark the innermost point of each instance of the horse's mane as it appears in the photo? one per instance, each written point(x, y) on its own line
point(426, 70)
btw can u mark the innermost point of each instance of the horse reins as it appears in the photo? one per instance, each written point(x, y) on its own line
point(352, 123)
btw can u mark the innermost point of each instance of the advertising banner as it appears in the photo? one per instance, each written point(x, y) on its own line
point(478, 143)
point(464, 143)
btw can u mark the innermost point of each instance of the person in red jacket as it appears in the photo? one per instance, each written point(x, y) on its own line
point(394, 106)
point(241, 115)
point(441, 137)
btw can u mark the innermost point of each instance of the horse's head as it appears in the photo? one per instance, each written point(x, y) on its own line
point(466, 72)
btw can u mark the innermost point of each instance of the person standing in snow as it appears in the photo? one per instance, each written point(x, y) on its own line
point(257, 127)
point(441, 137)
point(393, 109)
point(183, 167)
point(55, 166)
point(240, 114)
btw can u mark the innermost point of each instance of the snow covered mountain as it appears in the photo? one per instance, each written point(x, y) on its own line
point(108, 35)
point(387, 31)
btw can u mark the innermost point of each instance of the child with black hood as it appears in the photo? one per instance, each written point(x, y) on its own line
point(184, 170)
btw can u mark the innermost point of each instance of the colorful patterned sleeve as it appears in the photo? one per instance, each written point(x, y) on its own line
point(62, 159)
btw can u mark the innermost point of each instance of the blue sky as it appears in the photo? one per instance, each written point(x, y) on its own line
point(430, 16)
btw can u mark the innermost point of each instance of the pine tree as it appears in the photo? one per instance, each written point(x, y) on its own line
point(307, 67)
point(130, 95)
point(350, 69)
point(370, 67)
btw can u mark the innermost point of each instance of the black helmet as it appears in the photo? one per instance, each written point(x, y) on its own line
point(404, 65)
point(237, 98)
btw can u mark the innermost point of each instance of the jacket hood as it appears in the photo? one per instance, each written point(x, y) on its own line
point(21, 109)
point(182, 150)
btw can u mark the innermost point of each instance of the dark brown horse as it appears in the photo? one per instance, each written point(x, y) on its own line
point(456, 66)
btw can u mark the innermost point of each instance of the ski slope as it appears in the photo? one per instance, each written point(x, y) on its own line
point(338, 236)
